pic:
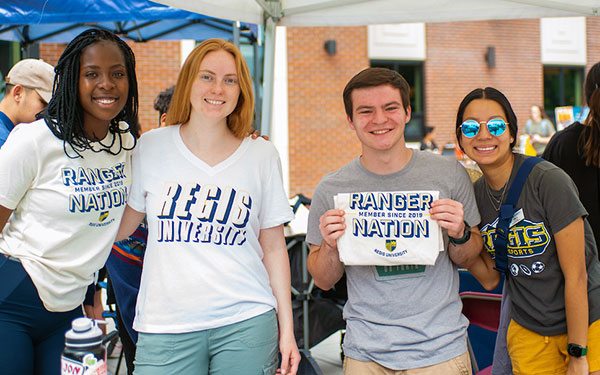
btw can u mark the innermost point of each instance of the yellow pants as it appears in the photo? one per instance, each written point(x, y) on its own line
point(532, 353)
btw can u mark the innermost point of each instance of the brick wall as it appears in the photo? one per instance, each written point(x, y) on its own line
point(456, 64)
point(157, 66)
point(320, 140)
point(50, 52)
point(592, 29)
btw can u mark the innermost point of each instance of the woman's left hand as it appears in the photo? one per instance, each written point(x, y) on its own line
point(255, 134)
point(578, 366)
point(290, 356)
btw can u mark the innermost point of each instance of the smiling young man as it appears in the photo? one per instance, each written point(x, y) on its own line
point(399, 317)
point(28, 91)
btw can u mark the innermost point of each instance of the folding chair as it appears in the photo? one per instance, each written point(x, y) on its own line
point(317, 314)
point(482, 310)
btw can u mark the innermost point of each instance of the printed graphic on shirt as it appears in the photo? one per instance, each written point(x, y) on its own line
point(203, 213)
point(384, 273)
point(96, 190)
point(387, 228)
point(526, 239)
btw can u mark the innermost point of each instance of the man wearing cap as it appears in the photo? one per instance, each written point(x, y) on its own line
point(28, 91)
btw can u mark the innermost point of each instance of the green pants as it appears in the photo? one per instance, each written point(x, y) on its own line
point(245, 348)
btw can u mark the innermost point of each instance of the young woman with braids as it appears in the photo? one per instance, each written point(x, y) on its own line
point(576, 149)
point(65, 178)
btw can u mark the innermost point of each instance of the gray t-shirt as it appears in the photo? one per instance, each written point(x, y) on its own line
point(547, 204)
point(543, 128)
point(401, 317)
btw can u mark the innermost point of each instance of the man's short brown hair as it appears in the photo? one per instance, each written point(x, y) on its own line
point(372, 77)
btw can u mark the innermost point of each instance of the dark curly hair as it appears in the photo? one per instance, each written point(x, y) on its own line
point(64, 114)
point(163, 99)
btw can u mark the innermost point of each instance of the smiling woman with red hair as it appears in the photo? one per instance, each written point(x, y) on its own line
point(215, 291)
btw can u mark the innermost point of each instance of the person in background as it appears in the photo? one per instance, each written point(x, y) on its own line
point(397, 317)
point(161, 104)
point(428, 141)
point(539, 128)
point(66, 178)
point(553, 274)
point(576, 149)
point(124, 268)
point(28, 91)
point(215, 291)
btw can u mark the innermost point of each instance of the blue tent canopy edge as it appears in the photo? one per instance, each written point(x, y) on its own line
point(58, 21)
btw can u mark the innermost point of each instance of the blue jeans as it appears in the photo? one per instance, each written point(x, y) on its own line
point(249, 347)
point(31, 337)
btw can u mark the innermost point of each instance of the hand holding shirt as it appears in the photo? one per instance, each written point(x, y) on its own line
point(389, 228)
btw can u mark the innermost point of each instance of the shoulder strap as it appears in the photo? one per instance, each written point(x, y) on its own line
point(507, 210)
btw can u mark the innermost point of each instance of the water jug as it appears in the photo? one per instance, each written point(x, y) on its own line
point(84, 353)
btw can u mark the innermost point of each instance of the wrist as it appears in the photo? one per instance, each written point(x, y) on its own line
point(465, 237)
point(330, 246)
point(576, 351)
point(286, 333)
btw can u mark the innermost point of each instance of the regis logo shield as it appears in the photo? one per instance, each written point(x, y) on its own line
point(390, 245)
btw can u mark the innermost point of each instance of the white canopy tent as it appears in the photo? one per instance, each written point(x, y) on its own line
point(364, 12)
point(272, 13)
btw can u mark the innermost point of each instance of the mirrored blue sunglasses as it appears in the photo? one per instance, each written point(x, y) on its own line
point(495, 126)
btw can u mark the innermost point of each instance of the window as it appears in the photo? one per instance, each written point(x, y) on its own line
point(9, 55)
point(413, 73)
point(563, 86)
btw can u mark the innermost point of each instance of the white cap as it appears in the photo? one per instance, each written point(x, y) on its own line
point(33, 74)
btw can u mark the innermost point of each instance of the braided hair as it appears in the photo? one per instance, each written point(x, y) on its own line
point(64, 114)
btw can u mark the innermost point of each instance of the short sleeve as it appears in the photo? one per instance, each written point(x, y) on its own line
point(19, 164)
point(560, 199)
point(528, 127)
point(318, 206)
point(551, 151)
point(275, 206)
point(137, 197)
point(549, 127)
point(463, 192)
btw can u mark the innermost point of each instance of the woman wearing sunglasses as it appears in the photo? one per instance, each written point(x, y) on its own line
point(553, 277)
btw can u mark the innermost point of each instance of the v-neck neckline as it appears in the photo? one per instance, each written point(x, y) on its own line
point(201, 164)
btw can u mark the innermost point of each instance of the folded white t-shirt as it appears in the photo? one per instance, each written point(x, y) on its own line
point(389, 228)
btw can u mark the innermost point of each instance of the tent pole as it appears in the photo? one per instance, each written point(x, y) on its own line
point(268, 73)
point(256, 82)
point(235, 31)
